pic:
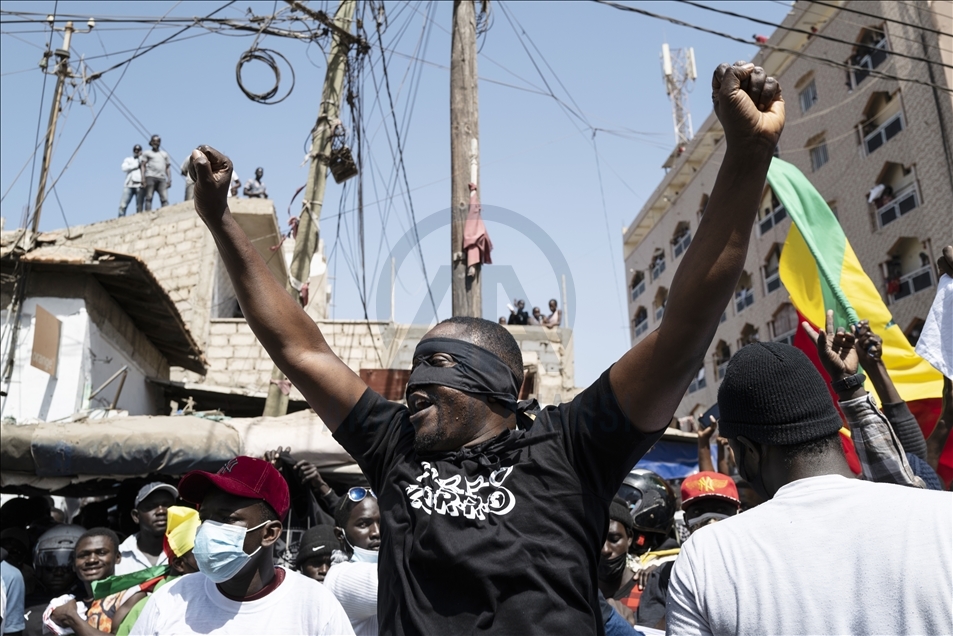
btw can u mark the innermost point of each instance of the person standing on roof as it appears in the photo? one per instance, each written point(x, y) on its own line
point(132, 188)
point(156, 166)
point(144, 548)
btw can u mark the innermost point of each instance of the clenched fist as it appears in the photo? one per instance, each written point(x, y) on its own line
point(748, 104)
point(212, 173)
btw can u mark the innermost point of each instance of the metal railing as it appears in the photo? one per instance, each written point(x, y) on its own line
point(870, 61)
point(681, 245)
point(884, 133)
point(698, 383)
point(721, 369)
point(638, 289)
point(659, 312)
point(905, 201)
point(641, 327)
point(743, 299)
point(772, 282)
point(915, 281)
point(777, 215)
point(658, 268)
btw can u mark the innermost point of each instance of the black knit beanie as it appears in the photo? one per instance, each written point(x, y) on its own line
point(619, 511)
point(773, 395)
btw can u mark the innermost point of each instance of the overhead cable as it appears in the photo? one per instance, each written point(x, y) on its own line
point(781, 49)
point(810, 34)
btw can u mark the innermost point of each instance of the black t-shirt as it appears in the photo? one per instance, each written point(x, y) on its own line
point(520, 317)
point(503, 536)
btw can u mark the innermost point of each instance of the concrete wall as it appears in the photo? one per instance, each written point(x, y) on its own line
point(844, 181)
point(94, 344)
point(237, 359)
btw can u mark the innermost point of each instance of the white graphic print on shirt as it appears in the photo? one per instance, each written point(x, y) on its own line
point(456, 496)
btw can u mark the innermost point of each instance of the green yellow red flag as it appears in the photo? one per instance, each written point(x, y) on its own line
point(819, 269)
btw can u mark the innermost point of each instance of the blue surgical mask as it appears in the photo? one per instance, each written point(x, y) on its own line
point(362, 555)
point(218, 549)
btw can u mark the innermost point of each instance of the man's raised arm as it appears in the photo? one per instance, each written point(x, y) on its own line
point(288, 334)
point(651, 378)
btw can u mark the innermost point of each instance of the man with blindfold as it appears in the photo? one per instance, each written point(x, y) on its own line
point(493, 515)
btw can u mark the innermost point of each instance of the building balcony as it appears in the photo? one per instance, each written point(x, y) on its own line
point(905, 201)
point(743, 300)
point(681, 245)
point(915, 281)
point(638, 290)
point(884, 133)
point(657, 269)
point(772, 282)
point(641, 328)
point(777, 215)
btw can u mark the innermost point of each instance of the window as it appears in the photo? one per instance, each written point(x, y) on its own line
point(808, 96)
point(661, 297)
point(894, 195)
point(785, 323)
point(749, 334)
point(772, 277)
point(883, 120)
point(870, 52)
point(744, 296)
point(771, 212)
point(658, 264)
point(637, 286)
point(818, 155)
point(640, 321)
point(681, 239)
point(909, 270)
point(698, 382)
point(722, 356)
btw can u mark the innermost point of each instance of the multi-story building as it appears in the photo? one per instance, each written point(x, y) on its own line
point(875, 143)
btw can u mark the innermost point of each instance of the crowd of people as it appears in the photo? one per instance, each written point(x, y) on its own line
point(519, 315)
point(481, 513)
point(149, 173)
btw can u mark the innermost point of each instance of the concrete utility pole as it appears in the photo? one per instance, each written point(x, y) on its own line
point(329, 111)
point(62, 71)
point(464, 154)
point(678, 73)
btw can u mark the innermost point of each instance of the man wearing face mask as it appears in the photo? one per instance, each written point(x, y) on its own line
point(354, 583)
point(238, 589)
point(707, 498)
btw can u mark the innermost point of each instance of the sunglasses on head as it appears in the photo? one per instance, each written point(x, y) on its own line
point(358, 493)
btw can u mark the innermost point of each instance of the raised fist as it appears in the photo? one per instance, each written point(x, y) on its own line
point(748, 104)
point(212, 173)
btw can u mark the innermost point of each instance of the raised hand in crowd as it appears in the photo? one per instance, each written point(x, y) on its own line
point(309, 476)
point(705, 434)
point(837, 353)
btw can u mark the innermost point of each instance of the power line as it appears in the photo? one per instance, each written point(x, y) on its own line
point(802, 31)
point(822, 60)
point(403, 167)
point(878, 17)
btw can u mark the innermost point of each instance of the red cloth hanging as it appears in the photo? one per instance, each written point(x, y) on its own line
point(476, 240)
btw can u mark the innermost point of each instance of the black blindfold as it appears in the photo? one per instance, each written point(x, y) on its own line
point(476, 371)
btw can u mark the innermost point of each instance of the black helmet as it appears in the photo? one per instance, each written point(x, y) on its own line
point(651, 502)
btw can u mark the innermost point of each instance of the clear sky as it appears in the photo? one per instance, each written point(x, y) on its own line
point(536, 160)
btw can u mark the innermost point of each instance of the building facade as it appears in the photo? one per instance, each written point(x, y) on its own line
point(877, 148)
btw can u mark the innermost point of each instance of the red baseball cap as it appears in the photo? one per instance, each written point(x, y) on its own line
point(243, 477)
point(707, 485)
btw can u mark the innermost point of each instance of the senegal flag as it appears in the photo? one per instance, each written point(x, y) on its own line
point(820, 271)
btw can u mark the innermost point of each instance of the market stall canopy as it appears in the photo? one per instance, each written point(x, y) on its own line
point(52, 456)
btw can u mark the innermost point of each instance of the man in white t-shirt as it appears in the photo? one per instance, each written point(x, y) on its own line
point(828, 553)
point(238, 589)
point(354, 583)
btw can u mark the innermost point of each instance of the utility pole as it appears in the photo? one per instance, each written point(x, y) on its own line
point(62, 71)
point(306, 242)
point(464, 155)
point(679, 73)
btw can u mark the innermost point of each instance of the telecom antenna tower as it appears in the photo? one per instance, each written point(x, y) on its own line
point(678, 73)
